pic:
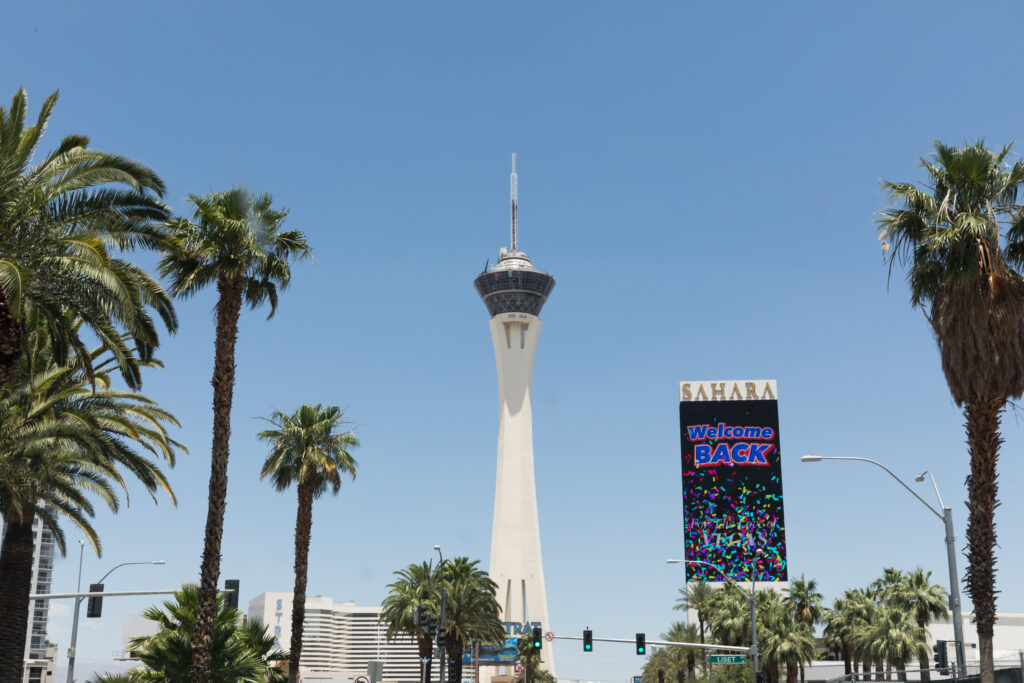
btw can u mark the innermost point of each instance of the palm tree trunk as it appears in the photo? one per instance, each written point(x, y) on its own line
point(848, 665)
point(303, 528)
point(455, 649)
point(983, 440)
point(426, 647)
point(802, 679)
point(878, 669)
point(901, 670)
point(15, 587)
point(924, 663)
point(791, 672)
point(11, 333)
point(229, 303)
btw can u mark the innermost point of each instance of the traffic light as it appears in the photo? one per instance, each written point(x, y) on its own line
point(588, 640)
point(432, 626)
point(941, 655)
point(440, 638)
point(641, 644)
point(538, 638)
point(759, 677)
point(94, 608)
point(231, 588)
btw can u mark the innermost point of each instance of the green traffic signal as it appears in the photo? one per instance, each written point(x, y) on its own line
point(537, 636)
point(588, 640)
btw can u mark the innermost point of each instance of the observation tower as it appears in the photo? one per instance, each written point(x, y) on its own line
point(514, 292)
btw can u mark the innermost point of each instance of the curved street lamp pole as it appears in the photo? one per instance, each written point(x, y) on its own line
point(947, 520)
point(753, 612)
point(78, 603)
point(441, 629)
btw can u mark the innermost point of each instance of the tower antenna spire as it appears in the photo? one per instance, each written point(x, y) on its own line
point(514, 182)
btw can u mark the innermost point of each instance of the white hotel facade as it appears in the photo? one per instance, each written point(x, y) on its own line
point(339, 639)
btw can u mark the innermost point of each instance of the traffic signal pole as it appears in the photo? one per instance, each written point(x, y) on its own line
point(665, 643)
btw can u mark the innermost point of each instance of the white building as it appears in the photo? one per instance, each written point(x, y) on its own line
point(339, 639)
point(514, 293)
point(39, 657)
point(1007, 637)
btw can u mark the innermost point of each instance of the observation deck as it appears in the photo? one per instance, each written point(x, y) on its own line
point(513, 285)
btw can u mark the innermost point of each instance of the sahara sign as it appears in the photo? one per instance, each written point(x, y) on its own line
point(732, 480)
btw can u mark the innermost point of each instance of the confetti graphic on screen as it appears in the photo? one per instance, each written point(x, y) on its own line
point(732, 489)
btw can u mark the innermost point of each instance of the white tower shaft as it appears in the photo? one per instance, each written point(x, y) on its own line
point(515, 538)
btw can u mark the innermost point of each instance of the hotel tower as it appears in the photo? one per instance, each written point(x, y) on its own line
point(514, 292)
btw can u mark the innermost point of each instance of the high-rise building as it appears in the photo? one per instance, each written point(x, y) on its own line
point(39, 657)
point(514, 292)
point(339, 639)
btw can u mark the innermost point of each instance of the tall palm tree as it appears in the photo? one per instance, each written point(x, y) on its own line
point(949, 236)
point(803, 598)
point(59, 219)
point(310, 448)
point(697, 595)
point(242, 652)
point(924, 601)
point(472, 612)
point(417, 584)
point(62, 443)
point(233, 241)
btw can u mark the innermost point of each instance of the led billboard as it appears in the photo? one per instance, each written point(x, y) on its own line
point(732, 480)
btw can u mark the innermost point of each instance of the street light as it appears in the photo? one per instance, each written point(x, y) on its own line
point(753, 612)
point(440, 628)
point(947, 519)
point(78, 604)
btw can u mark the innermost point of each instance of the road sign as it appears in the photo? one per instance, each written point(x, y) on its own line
point(362, 679)
point(549, 636)
point(727, 659)
point(517, 668)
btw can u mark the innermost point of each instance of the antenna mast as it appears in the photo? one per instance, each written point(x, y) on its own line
point(515, 202)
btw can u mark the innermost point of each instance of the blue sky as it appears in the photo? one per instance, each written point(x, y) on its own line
point(702, 182)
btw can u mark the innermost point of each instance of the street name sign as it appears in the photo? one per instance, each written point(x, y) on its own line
point(727, 659)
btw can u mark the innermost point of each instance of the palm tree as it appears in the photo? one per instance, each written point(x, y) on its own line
point(893, 637)
point(787, 641)
point(311, 448)
point(804, 599)
point(729, 615)
point(838, 632)
point(949, 235)
point(242, 652)
point(686, 657)
point(697, 595)
point(58, 220)
point(472, 612)
point(417, 584)
point(924, 601)
point(62, 442)
point(532, 672)
point(234, 241)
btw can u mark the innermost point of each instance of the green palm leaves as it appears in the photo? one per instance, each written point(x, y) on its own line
point(472, 612)
point(242, 652)
point(59, 219)
point(234, 238)
point(310, 446)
